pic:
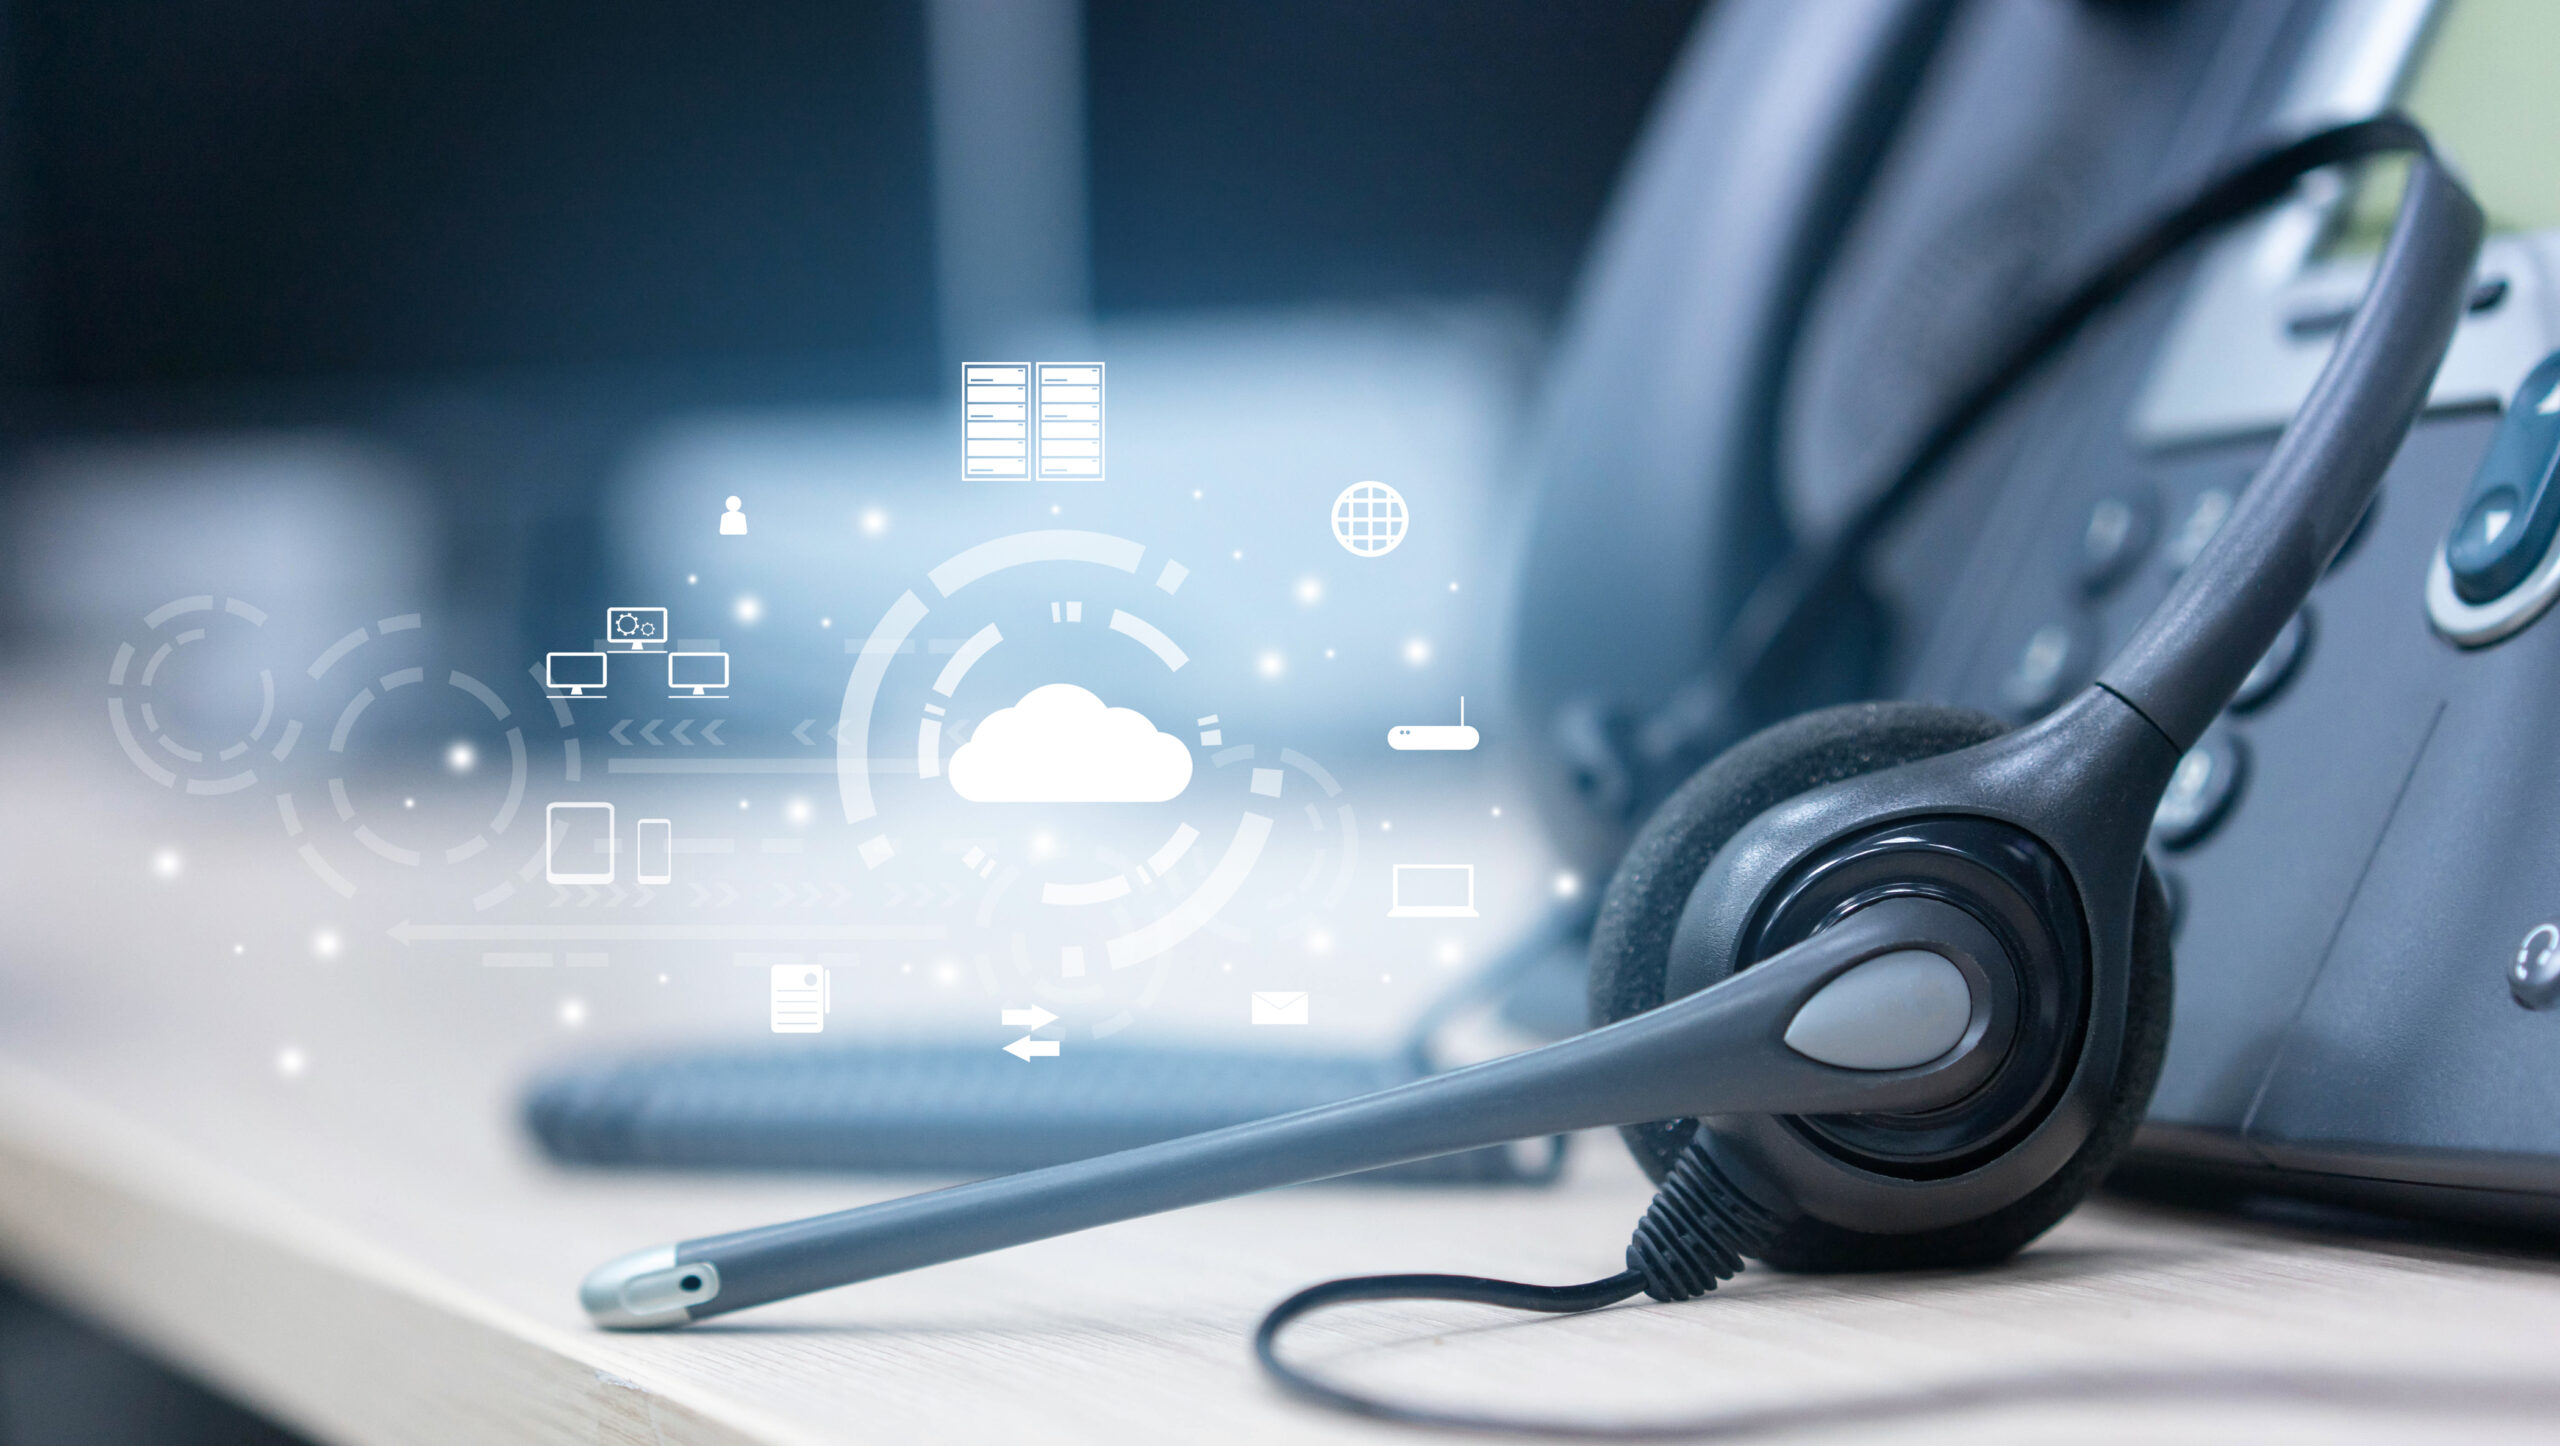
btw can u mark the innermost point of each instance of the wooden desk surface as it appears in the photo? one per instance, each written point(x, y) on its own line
point(371, 1252)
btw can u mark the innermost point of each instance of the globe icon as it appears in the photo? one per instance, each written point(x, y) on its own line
point(1369, 519)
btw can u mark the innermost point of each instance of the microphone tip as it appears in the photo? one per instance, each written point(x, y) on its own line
point(647, 1290)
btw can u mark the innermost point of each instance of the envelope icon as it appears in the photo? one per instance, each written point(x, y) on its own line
point(1280, 1007)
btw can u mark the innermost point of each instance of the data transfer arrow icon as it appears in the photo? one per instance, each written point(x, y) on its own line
point(1031, 1018)
point(1025, 1047)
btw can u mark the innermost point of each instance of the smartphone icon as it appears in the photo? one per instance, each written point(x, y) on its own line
point(656, 854)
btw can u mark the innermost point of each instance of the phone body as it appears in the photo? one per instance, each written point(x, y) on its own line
point(2364, 861)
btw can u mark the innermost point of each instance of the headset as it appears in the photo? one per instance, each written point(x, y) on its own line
point(1883, 986)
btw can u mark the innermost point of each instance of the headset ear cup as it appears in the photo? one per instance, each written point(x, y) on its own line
point(1631, 939)
point(1816, 1246)
point(1631, 955)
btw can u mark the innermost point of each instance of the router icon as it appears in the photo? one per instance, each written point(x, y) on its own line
point(1435, 737)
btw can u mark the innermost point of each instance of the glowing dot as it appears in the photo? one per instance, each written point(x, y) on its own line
point(1238, 554)
point(1417, 651)
point(1386, 826)
point(662, 979)
point(291, 1062)
point(1386, 979)
point(1310, 591)
point(1053, 509)
point(907, 967)
point(946, 973)
point(1568, 884)
point(1043, 845)
point(408, 803)
point(1225, 966)
point(1449, 952)
point(461, 757)
point(797, 810)
point(1319, 941)
point(1453, 587)
point(1270, 665)
point(167, 864)
point(826, 622)
point(742, 803)
point(1328, 652)
point(874, 522)
point(573, 1012)
point(1195, 494)
point(748, 609)
point(1497, 810)
point(691, 578)
point(239, 949)
point(325, 943)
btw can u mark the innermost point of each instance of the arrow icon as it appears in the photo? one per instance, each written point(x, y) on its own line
point(679, 732)
point(802, 733)
point(1031, 1018)
point(649, 731)
point(1024, 1048)
point(616, 731)
point(711, 732)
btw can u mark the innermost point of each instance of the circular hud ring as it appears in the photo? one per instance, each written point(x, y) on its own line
point(139, 707)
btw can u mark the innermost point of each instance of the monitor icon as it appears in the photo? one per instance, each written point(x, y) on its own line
point(1434, 891)
point(636, 629)
point(697, 675)
point(574, 673)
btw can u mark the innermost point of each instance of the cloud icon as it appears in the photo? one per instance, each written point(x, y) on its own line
point(1061, 745)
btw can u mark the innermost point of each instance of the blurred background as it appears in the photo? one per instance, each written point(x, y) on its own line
point(477, 311)
point(404, 304)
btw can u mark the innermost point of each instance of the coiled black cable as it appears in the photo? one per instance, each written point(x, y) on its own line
point(1701, 1228)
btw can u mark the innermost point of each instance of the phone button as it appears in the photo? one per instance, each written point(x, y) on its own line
point(2201, 791)
point(2118, 534)
point(2498, 568)
point(2277, 666)
point(2534, 978)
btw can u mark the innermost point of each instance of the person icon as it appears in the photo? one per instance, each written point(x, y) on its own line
point(733, 523)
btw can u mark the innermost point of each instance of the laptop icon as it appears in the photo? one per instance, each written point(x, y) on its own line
point(1434, 891)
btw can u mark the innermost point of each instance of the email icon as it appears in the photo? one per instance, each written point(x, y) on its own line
point(1281, 1007)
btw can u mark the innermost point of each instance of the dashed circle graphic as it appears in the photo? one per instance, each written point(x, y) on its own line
point(478, 698)
point(137, 709)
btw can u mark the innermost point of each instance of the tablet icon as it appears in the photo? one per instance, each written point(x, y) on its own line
point(1435, 737)
point(577, 843)
point(1434, 891)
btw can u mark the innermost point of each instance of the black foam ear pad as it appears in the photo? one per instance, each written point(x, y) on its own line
point(1631, 956)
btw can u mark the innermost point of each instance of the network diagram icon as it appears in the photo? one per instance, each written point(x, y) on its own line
point(1369, 519)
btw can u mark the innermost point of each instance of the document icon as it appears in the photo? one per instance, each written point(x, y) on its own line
point(800, 999)
point(1280, 1007)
